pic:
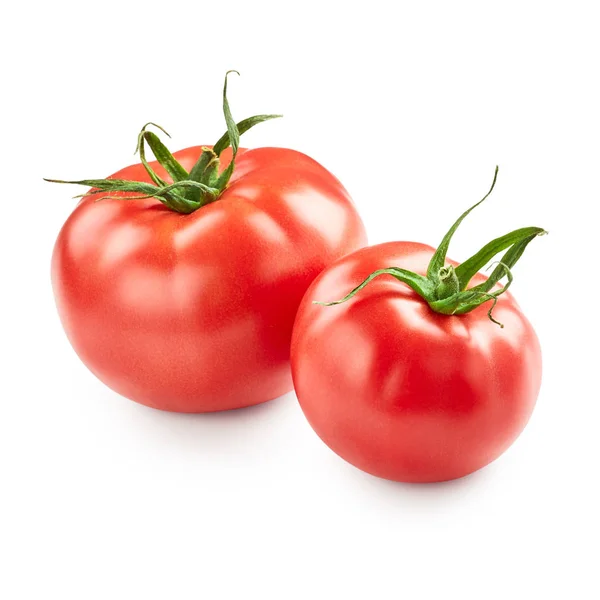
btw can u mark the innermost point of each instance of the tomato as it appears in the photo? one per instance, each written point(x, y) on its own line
point(194, 312)
point(401, 391)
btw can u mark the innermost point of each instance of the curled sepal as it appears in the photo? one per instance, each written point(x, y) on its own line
point(439, 258)
point(510, 258)
point(142, 152)
point(166, 194)
point(164, 157)
point(232, 130)
point(420, 284)
point(445, 288)
point(466, 270)
point(110, 185)
point(234, 139)
point(242, 126)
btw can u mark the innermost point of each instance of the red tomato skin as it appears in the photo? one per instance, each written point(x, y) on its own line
point(194, 313)
point(400, 391)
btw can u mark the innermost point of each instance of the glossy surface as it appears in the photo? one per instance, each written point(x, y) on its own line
point(194, 313)
point(403, 392)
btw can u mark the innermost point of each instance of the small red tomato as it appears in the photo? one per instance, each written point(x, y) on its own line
point(415, 381)
point(182, 297)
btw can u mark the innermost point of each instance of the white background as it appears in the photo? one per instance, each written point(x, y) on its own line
point(411, 105)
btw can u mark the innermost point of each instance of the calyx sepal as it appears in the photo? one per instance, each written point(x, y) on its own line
point(188, 191)
point(445, 287)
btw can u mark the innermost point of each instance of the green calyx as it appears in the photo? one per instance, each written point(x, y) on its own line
point(445, 288)
point(186, 192)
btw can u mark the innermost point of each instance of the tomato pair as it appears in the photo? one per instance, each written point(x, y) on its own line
point(178, 282)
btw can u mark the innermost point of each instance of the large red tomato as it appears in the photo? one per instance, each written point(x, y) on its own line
point(194, 312)
point(402, 391)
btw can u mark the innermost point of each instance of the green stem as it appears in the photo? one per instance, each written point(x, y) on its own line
point(445, 288)
point(188, 191)
point(447, 283)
